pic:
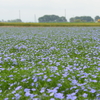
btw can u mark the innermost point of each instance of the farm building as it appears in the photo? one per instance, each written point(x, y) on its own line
point(98, 20)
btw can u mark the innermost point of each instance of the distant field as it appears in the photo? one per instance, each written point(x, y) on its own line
point(49, 63)
point(52, 24)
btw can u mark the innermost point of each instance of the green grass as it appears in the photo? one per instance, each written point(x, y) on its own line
point(51, 24)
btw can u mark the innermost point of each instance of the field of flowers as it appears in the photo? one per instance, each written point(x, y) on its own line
point(49, 63)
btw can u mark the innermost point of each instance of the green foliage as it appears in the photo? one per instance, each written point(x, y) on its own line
point(82, 19)
point(15, 20)
point(97, 17)
point(52, 18)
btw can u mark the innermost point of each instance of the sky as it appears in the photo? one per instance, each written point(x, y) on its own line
point(31, 10)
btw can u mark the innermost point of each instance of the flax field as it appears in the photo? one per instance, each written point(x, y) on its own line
point(49, 63)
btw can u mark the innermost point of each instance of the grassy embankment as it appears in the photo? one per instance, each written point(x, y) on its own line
point(51, 24)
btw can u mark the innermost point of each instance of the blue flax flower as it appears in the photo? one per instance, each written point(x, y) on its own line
point(58, 95)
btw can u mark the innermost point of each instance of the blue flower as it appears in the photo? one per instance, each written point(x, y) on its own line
point(58, 95)
point(19, 87)
point(48, 80)
point(71, 96)
point(85, 95)
point(93, 91)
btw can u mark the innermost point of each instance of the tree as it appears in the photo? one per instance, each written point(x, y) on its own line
point(72, 19)
point(96, 18)
point(52, 18)
point(81, 19)
point(15, 20)
point(61, 19)
point(78, 20)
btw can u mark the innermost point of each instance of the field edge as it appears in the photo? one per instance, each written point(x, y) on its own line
point(5, 24)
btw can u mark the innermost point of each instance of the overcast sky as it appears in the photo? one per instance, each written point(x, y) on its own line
point(31, 10)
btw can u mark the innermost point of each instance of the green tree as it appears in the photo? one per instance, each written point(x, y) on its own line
point(15, 20)
point(77, 20)
point(82, 19)
point(96, 18)
point(52, 18)
point(72, 19)
point(61, 19)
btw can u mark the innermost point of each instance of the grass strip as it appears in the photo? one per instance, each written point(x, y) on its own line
point(51, 24)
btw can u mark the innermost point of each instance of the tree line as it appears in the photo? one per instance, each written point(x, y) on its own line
point(55, 18)
point(14, 20)
point(52, 18)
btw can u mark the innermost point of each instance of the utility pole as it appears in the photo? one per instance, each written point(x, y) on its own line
point(19, 15)
point(35, 18)
point(65, 13)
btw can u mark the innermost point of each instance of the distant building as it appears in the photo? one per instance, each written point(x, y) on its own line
point(98, 20)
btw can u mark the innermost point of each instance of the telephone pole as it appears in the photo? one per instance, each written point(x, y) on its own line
point(19, 15)
point(65, 13)
point(35, 18)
